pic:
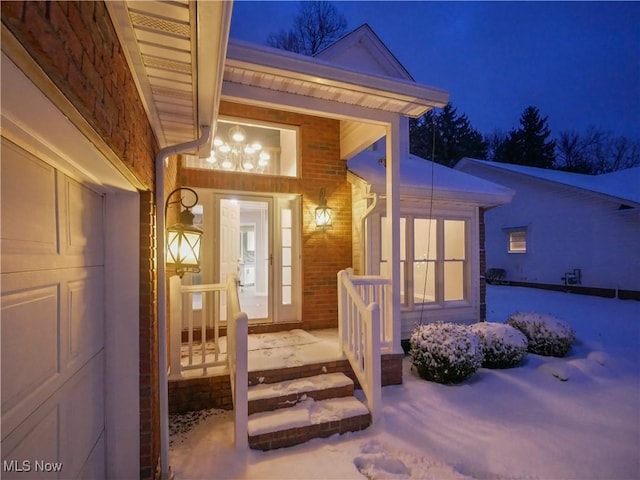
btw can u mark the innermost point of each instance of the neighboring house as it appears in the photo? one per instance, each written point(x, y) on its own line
point(102, 102)
point(565, 231)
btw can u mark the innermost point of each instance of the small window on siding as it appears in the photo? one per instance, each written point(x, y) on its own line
point(518, 241)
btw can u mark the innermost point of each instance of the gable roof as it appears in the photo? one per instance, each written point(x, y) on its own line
point(362, 49)
point(623, 185)
point(417, 175)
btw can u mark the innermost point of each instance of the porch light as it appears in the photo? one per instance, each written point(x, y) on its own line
point(324, 213)
point(183, 238)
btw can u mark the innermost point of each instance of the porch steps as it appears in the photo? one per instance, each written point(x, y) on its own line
point(290, 412)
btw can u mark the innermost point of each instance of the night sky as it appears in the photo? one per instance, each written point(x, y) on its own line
point(578, 62)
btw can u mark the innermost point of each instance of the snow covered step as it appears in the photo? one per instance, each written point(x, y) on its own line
point(271, 396)
point(306, 420)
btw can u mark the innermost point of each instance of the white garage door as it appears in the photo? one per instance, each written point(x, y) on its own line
point(52, 281)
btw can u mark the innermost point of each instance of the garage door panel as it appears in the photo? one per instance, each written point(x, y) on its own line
point(82, 415)
point(37, 441)
point(67, 428)
point(83, 222)
point(86, 316)
point(38, 235)
point(30, 342)
point(49, 220)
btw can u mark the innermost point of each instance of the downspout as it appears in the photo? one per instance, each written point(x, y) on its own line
point(163, 381)
point(363, 244)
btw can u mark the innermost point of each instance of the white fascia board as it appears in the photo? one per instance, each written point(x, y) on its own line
point(239, 93)
point(278, 62)
point(213, 26)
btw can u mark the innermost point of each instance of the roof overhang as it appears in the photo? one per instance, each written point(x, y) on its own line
point(176, 53)
point(422, 179)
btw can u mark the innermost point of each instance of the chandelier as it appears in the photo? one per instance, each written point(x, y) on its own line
point(238, 154)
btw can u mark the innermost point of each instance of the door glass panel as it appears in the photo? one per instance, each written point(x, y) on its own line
point(286, 235)
point(244, 251)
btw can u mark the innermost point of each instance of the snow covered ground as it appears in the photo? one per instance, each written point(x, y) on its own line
point(576, 417)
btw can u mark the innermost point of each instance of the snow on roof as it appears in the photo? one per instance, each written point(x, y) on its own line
point(623, 184)
point(418, 174)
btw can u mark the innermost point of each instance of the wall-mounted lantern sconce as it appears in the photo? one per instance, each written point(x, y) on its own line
point(324, 213)
point(183, 238)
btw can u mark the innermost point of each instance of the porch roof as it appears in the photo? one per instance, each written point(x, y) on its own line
point(183, 64)
point(418, 177)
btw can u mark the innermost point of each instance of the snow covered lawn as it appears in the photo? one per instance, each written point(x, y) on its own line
point(576, 417)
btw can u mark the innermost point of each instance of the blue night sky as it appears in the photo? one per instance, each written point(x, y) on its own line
point(578, 62)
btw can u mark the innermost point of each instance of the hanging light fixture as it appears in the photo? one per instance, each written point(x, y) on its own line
point(324, 214)
point(183, 238)
point(237, 154)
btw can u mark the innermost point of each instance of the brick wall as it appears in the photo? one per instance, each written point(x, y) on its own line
point(324, 252)
point(76, 46)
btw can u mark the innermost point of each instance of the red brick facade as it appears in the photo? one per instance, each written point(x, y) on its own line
point(324, 252)
point(75, 44)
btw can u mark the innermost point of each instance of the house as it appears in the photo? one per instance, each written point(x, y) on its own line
point(565, 231)
point(107, 107)
point(100, 102)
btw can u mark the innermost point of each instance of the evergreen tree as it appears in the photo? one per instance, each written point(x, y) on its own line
point(528, 144)
point(454, 137)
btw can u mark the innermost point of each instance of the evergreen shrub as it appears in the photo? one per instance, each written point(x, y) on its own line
point(445, 352)
point(504, 346)
point(546, 334)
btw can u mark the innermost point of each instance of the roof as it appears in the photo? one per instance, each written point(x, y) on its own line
point(362, 49)
point(417, 174)
point(623, 185)
point(282, 71)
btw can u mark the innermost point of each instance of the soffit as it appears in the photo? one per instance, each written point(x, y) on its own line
point(165, 45)
point(276, 70)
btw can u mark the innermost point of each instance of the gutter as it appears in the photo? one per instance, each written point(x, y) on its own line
point(163, 381)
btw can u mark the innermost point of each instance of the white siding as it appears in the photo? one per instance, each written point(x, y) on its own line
point(566, 229)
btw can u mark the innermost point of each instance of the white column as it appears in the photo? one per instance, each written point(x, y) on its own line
point(397, 145)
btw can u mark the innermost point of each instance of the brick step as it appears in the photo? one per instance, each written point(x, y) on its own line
point(272, 396)
point(307, 420)
point(257, 377)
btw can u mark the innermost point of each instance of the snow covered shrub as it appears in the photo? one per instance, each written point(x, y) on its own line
point(445, 352)
point(546, 334)
point(504, 346)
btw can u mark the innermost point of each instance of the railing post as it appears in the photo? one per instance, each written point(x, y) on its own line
point(241, 401)
point(374, 374)
point(342, 313)
point(175, 326)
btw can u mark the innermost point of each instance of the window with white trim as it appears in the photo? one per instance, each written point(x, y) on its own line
point(251, 147)
point(518, 241)
point(434, 267)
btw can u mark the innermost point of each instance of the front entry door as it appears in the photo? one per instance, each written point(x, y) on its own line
point(258, 240)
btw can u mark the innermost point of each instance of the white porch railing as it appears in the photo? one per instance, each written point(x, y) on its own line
point(360, 331)
point(238, 361)
point(182, 319)
point(235, 357)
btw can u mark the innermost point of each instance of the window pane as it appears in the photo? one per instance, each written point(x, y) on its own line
point(286, 237)
point(286, 217)
point(454, 240)
point(286, 295)
point(424, 239)
point(385, 240)
point(518, 242)
point(286, 275)
point(286, 257)
point(424, 282)
point(453, 281)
